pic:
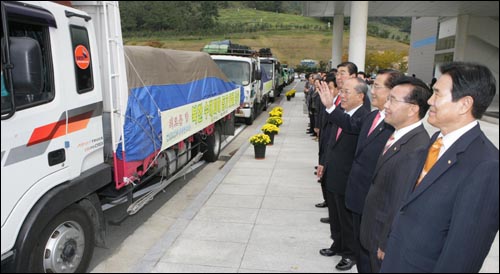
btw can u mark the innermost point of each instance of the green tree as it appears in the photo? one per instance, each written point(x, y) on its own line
point(208, 14)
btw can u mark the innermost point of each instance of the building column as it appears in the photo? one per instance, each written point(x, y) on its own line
point(358, 28)
point(461, 37)
point(338, 34)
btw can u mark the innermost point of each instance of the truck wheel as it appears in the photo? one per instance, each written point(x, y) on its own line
point(65, 245)
point(249, 120)
point(212, 147)
point(266, 101)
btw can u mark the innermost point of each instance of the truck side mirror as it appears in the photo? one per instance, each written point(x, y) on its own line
point(27, 75)
point(258, 75)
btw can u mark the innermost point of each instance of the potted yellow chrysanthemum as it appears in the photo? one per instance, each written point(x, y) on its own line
point(275, 113)
point(259, 142)
point(270, 130)
point(275, 121)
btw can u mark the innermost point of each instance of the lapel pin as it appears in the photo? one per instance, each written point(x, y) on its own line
point(449, 162)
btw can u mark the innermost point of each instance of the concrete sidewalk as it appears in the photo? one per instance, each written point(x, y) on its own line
point(259, 215)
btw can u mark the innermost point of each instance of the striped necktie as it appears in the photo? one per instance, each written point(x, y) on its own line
point(432, 157)
point(389, 144)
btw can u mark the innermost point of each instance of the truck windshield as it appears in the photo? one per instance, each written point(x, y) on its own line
point(238, 72)
point(268, 69)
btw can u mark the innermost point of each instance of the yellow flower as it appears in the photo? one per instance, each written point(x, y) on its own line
point(276, 112)
point(260, 139)
point(270, 128)
point(280, 109)
point(275, 121)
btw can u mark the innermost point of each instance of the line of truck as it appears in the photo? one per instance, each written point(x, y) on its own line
point(87, 121)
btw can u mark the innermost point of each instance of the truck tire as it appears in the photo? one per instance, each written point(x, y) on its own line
point(212, 146)
point(249, 120)
point(66, 244)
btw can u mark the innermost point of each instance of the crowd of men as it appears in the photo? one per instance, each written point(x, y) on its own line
point(399, 200)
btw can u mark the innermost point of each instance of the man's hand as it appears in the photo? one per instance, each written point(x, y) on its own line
point(320, 171)
point(380, 254)
point(325, 95)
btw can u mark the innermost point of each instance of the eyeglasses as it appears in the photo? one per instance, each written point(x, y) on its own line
point(378, 87)
point(391, 100)
point(343, 91)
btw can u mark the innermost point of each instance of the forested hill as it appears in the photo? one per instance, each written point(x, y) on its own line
point(189, 25)
point(181, 18)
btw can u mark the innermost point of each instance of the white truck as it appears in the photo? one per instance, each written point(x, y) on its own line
point(86, 121)
point(242, 67)
point(268, 65)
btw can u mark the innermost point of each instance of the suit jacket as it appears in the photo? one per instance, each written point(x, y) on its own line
point(368, 149)
point(448, 223)
point(340, 155)
point(325, 133)
point(320, 114)
point(385, 194)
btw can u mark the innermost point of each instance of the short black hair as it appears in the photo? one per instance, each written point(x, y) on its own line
point(351, 67)
point(419, 95)
point(471, 79)
point(393, 76)
point(331, 78)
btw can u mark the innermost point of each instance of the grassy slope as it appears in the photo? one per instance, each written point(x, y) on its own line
point(257, 16)
point(289, 46)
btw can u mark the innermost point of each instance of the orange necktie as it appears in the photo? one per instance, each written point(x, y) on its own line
point(432, 157)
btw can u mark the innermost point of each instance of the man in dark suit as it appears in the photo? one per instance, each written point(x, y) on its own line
point(373, 135)
point(325, 132)
point(404, 110)
point(340, 155)
point(449, 217)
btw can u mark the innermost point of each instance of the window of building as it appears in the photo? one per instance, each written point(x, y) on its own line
point(446, 43)
point(443, 58)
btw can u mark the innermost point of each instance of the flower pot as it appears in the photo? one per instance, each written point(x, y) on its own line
point(288, 98)
point(260, 151)
point(293, 95)
point(271, 135)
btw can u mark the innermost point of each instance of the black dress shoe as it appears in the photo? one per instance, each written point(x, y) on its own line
point(345, 264)
point(327, 252)
point(325, 220)
point(321, 205)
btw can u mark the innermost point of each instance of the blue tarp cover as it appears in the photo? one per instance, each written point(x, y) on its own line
point(160, 80)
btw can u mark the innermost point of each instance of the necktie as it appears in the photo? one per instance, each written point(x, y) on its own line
point(337, 101)
point(339, 130)
point(389, 144)
point(374, 124)
point(432, 157)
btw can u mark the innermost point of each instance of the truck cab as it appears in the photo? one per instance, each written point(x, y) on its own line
point(244, 69)
point(268, 65)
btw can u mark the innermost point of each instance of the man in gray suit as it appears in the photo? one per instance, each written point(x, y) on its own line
point(405, 107)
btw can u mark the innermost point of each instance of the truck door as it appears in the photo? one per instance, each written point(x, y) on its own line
point(33, 116)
